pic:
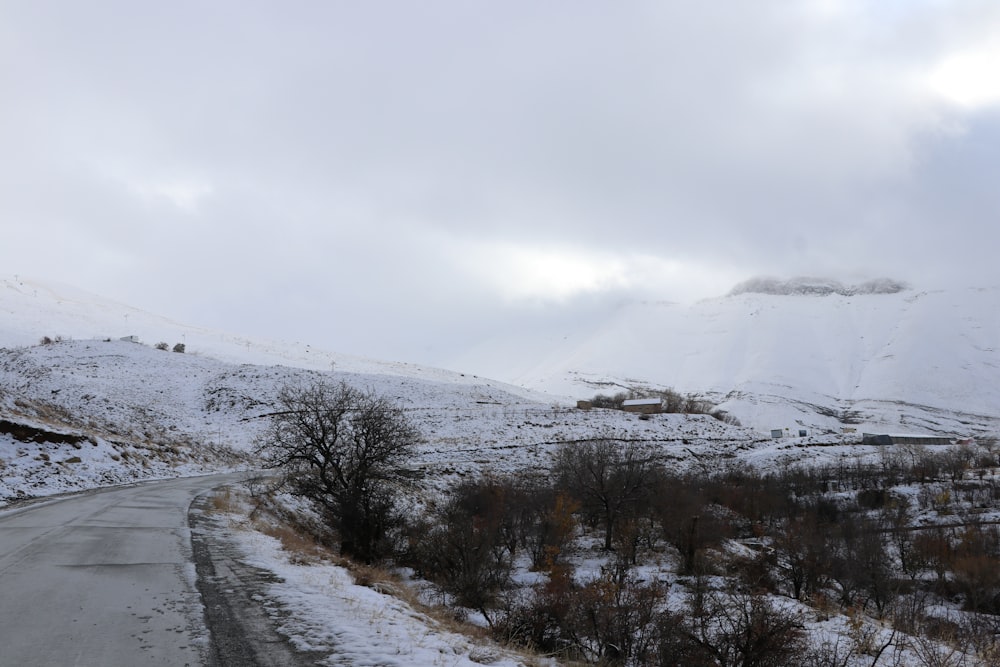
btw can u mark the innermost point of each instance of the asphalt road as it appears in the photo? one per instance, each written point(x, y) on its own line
point(103, 579)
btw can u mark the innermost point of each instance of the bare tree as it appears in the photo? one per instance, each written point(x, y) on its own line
point(343, 449)
point(609, 479)
point(686, 519)
point(801, 550)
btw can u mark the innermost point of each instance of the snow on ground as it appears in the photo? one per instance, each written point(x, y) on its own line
point(159, 411)
point(162, 412)
point(324, 610)
point(30, 310)
point(42, 469)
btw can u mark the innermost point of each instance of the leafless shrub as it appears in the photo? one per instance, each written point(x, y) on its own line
point(747, 629)
point(464, 547)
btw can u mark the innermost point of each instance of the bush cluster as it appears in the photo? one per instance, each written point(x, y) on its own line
point(842, 538)
point(838, 535)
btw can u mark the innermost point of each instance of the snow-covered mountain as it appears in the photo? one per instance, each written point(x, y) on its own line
point(807, 353)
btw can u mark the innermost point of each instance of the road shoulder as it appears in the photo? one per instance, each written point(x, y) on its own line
point(239, 619)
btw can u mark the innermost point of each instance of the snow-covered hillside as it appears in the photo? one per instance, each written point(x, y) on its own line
point(30, 310)
point(92, 409)
point(907, 361)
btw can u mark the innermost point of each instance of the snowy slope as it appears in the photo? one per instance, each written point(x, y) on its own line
point(159, 408)
point(134, 411)
point(912, 360)
point(904, 362)
point(31, 309)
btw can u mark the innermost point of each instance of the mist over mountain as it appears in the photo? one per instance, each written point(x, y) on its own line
point(805, 352)
point(816, 287)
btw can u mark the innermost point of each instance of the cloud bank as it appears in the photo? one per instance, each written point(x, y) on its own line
point(401, 179)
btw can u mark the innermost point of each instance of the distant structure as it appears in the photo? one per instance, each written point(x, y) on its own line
point(777, 433)
point(584, 405)
point(130, 339)
point(887, 439)
point(643, 406)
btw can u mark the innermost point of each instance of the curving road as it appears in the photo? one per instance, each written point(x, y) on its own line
point(104, 578)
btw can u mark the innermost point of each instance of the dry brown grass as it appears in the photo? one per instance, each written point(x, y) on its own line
point(389, 582)
point(302, 548)
point(222, 501)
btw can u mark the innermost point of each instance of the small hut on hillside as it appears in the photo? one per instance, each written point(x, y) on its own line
point(643, 406)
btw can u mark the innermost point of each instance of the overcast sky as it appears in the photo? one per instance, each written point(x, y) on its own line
point(400, 179)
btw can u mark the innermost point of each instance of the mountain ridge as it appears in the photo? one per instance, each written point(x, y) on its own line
point(935, 350)
point(904, 361)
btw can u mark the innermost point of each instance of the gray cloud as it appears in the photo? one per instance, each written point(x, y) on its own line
point(400, 179)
